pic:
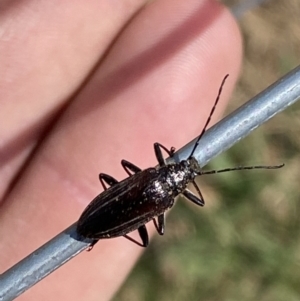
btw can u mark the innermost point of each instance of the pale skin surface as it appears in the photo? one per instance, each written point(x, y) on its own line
point(156, 80)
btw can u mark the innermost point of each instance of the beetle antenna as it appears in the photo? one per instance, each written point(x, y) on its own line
point(210, 115)
point(210, 172)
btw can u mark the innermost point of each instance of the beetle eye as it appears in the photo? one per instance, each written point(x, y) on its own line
point(185, 163)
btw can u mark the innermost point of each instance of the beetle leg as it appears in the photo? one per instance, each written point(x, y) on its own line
point(143, 235)
point(192, 197)
point(130, 167)
point(199, 193)
point(160, 224)
point(108, 179)
point(91, 246)
point(158, 153)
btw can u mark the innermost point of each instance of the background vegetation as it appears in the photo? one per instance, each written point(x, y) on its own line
point(245, 245)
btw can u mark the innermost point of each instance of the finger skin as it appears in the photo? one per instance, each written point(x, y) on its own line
point(47, 50)
point(157, 83)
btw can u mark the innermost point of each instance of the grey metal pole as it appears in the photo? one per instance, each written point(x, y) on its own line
point(216, 140)
point(245, 119)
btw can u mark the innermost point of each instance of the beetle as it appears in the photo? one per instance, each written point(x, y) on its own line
point(146, 194)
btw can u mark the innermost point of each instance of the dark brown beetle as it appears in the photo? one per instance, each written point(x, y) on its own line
point(145, 195)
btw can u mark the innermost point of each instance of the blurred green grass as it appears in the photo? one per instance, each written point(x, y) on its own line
point(245, 243)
